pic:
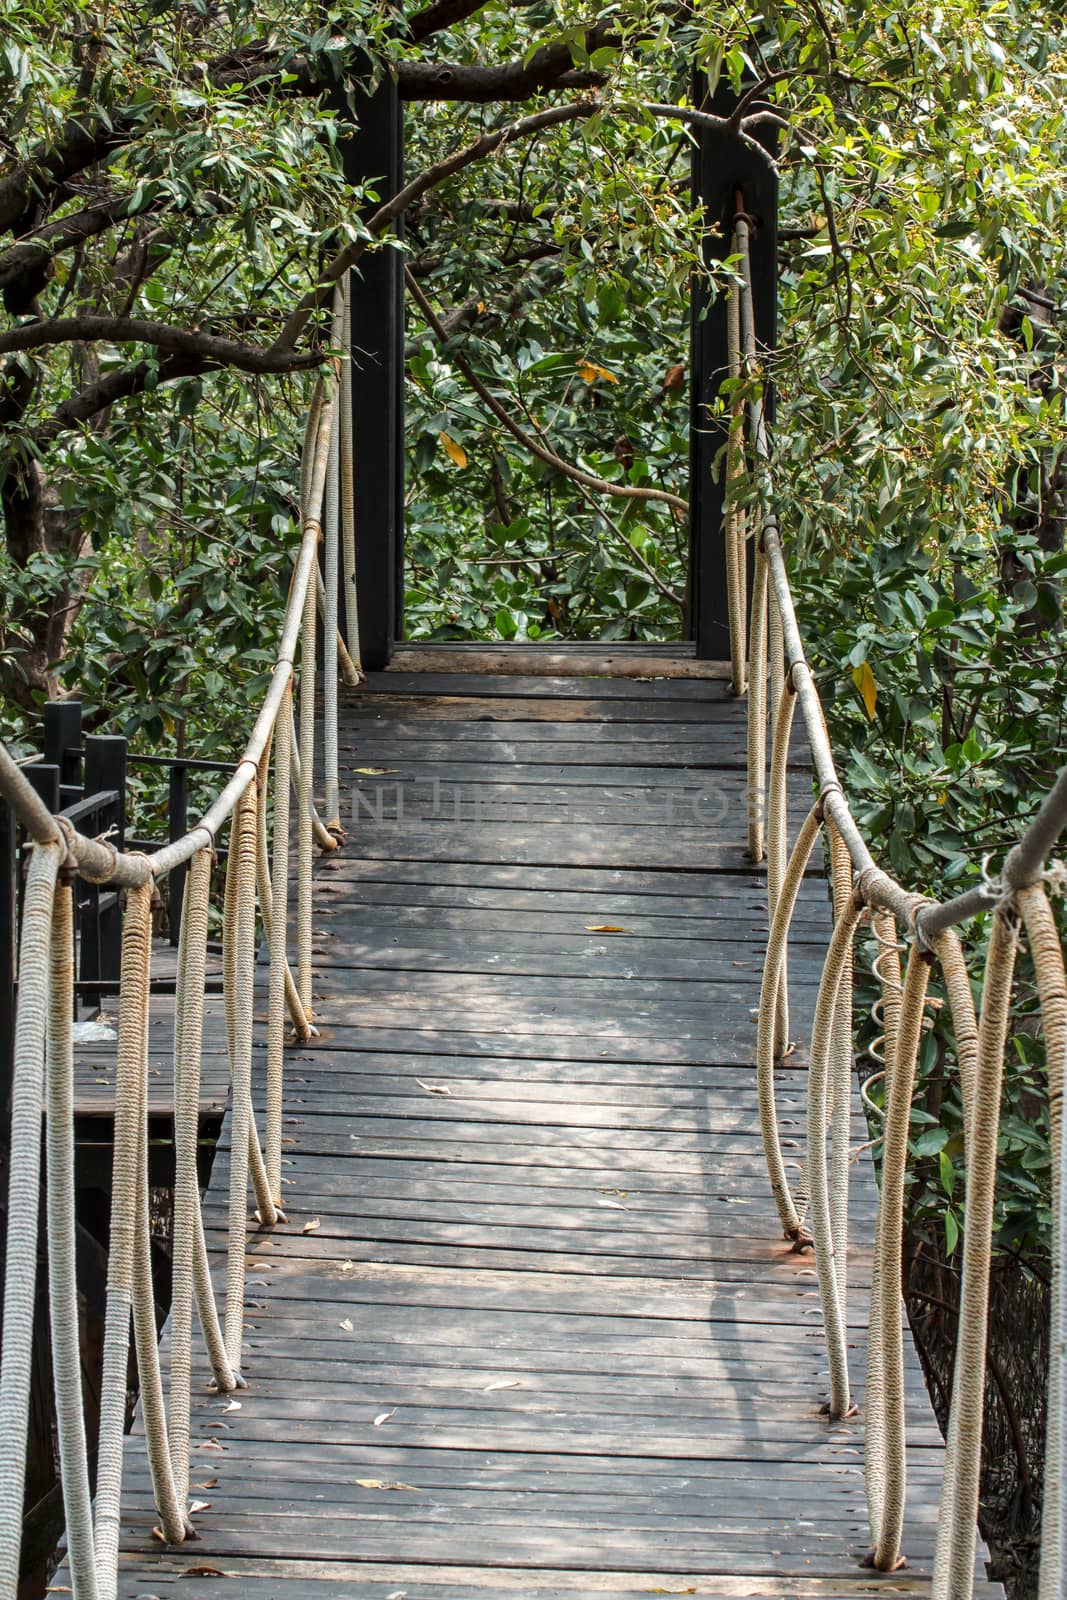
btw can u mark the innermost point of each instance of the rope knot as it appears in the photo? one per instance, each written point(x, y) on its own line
point(86, 872)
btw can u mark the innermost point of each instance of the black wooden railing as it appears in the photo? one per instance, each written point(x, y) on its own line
point(85, 777)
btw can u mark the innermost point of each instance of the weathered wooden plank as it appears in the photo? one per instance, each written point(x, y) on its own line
point(531, 689)
point(668, 661)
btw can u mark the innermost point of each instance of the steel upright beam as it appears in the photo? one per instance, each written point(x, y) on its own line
point(722, 167)
point(374, 155)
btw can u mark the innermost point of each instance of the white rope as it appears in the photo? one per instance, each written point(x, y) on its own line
point(735, 515)
point(790, 1213)
point(829, 1246)
point(348, 490)
point(778, 828)
point(957, 1530)
point(331, 558)
point(241, 909)
point(135, 998)
point(23, 1189)
point(757, 712)
point(62, 1253)
point(1051, 977)
point(279, 963)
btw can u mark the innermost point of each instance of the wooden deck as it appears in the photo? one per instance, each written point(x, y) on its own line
point(531, 1329)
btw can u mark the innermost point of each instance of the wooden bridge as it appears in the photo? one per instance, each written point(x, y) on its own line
point(532, 1328)
point(540, 1318)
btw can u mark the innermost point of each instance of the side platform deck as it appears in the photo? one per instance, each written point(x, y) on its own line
point(531, 1329)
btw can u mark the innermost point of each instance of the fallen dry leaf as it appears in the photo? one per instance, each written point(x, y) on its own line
point(234, 1405)
point(309, 1227)
point(199, 1505)
point(384, 1483)
point(209, 1444)
point(433, 1088)
point(204, 1572)
point(503, 1383)
point(605, 927)
point(383, 1416)
point(375, 772)
point(616, 1205)
point(208, 1483)
point(346, 1325)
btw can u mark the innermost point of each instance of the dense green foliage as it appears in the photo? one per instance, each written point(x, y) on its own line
point(147, 486)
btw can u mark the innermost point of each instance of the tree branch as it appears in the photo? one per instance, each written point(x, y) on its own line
point(122, 384)
point(439, 15)
point(515, 80)
point(387, 214)
point(622, 491)
point(184, 341)
point(28, 262)
point(484, 146)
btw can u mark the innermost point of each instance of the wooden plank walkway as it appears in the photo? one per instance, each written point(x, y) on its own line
point(531, 1329)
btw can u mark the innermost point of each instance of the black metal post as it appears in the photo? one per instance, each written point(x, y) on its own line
point(724, 166)
point(376, 154)
point(177, 824)
point(101, 941)
point(62, 742)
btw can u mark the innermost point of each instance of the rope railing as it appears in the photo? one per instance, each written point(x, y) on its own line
point(768, 659)
point(256, 884)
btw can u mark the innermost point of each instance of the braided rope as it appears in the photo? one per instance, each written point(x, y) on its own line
point(840, 1069)
point(788, 1211)
point(134, 1003)
point(1052, 992)
point(957, 1530)
point(826, 1213)
point(757, 711)
point(885, 1446)
point(305, 745)
point(23, 1193)
point(965, 1026)
point(189, 1281)
point(331, 532)
point(241, 909)
point(735, 515)
point(778, 822)
point(887, 969)
point(279, 975)
point(62, 1250)
point(126, 1168)
point(302, 1028)
point(348, 492)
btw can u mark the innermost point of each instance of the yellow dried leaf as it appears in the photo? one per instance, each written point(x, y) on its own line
point(605, 927)
point(454, 451)
point(863, 678)
point(375, 772)
point(590, 371)
point(309, 1227)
